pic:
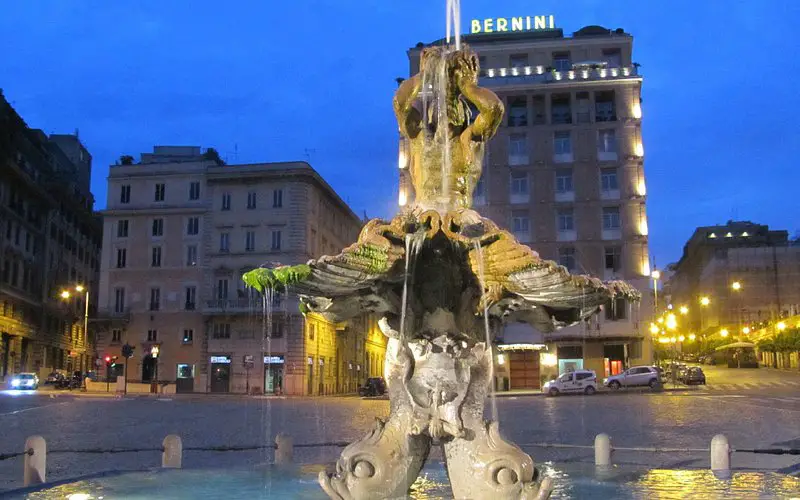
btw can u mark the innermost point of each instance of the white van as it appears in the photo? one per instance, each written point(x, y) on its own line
point(582, 381)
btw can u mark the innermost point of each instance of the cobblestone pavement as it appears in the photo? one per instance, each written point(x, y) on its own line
point(752, 419)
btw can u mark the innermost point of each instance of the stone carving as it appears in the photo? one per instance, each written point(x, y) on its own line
point(450, 267)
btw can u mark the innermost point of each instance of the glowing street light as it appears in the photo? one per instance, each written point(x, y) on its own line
point(746, 330)
point(654, 328)
point(781, 326)
point(65, 294)
point(672, 323)
point(692, 336)
point(656, 274)
point(684, 310)
point(736, 286)
point(705, 301)
point(724, 332)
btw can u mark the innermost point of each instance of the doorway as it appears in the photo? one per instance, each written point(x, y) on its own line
point(310, 376)
point(220, 377)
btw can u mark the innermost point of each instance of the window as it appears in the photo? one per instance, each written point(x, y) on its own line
point(277, 328)
point(517, 149)
point(311, 331)
point(539, 112)
point(518, 60)
point(224, 242)
point(616, 309)
point(276, 240)
point(567, 377)
point(116, 336)
point(612, 258)
point(277, 198)
point(160, 191)
point(582, 376)
point(519, 183)
point(518, 112)
point(606, 141)
point(119, 300)
point(193, 226)
point(155, 299)
point(604, 108)
point(561, 113)
point(250, 241)
point(226, 201)
point(155, 258)
point(190, 294)
point(566, 220)
point(612, 57)
point(194, 191)
point(158, 227)
point(251, 200)
point(520, 223)
point(188, 337)
point(561, 61)
point(222, 288)
point(122, 228)
point(222, 330)
point(562, 143)
point(191, 255)
point(608, 179)
point(611, 218)
point(564, 181)
point(125, 193)
point(122, 257)
point(152, 335)
point(566, 258)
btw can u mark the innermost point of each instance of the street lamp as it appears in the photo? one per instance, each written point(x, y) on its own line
point(781, 326)
point(154, 350)
point(724, 332)
point(746, 330)
point(704, 301)
point(672, 323)
point(736, 286)
point(684, 310)
point(65, 295)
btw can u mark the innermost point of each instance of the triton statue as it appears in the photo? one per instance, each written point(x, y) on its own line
point(438, 274)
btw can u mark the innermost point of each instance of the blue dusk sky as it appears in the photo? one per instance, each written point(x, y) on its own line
point(271, 80)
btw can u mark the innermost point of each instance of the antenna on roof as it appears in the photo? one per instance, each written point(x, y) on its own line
point(308, 154)
point(236, 152)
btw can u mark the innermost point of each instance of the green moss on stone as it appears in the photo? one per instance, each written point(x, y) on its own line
point(276, 279)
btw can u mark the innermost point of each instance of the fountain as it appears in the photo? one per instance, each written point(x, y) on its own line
point(440, 276)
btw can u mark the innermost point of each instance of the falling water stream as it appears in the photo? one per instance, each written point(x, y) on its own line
point(488, 337)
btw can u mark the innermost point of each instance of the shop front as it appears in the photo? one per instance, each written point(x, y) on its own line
point(614, 359)
point(220, 377)
point(184, 379)
point(570, 358)
point(273, 374)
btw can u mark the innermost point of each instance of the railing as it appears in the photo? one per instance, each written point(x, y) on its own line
point(538, 74)
point(35, 452)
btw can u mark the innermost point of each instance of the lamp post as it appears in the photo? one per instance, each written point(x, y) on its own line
point(154, 354)
point(66, 295)
point(736, 286)
point(655, 275)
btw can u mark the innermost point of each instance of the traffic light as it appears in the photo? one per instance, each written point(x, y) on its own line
point(114, 361)
point(108, 360)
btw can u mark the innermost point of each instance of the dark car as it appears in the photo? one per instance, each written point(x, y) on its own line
point(372, 387)
point(694, 376)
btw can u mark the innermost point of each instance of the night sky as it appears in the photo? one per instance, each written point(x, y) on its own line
point(276, 80)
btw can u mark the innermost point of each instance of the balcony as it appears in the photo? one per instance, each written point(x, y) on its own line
point(112, 316)
point(529, 75)
point(231, 306)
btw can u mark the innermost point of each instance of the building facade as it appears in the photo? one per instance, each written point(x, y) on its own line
point(50, 239)
point(565, 174)
point(187, 227)
point(734, 276)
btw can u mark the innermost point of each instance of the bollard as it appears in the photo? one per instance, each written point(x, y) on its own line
point(284, 449)
point(35, 465)
point(720, 456)
point(602, 450)
point(172, 455)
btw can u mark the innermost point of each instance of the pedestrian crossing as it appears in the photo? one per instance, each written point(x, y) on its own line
point(750, 386)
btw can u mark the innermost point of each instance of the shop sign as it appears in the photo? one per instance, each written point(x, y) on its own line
point(273, 360)
point(225, 360)
point(512, 24)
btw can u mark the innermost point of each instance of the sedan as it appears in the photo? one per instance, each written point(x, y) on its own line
point(694, 376)
point(24, 381)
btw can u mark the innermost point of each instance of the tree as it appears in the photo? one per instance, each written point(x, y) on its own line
point(126, 160)
point(213, 155)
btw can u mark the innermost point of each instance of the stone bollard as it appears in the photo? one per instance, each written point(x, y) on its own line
point(720, 456)
point(284, 449)
point(602, 450)
point(35, 465)
point(172, 455)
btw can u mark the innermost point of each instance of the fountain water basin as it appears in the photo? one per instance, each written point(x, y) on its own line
point(573, 480)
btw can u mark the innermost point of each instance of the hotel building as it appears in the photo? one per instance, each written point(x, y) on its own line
point(565, 174)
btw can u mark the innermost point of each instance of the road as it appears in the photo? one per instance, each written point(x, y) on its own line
point(764, 414)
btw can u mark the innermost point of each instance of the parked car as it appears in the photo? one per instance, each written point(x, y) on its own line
point(694, 376)
point(372, 387)
point(24, 381)
point(54, 378)
point(634, 376)
point(579, 381)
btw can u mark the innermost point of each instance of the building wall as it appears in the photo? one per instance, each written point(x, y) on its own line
point(49, 242)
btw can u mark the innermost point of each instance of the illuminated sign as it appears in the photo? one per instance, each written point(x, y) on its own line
point(509, 24)
point(225, 360)
point(273, 360)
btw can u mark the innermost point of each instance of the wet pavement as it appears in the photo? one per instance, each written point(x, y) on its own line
point(766, 416)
